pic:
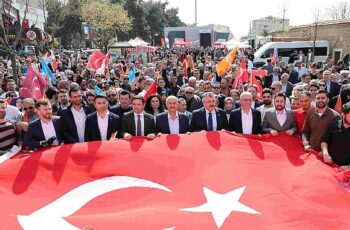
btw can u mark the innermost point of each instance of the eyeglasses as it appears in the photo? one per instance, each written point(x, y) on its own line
point(111, 95)
point(189, 92)
point(273, 88)
point(29, 108)
point(126, 78)
point(323, 85)
point(12, 95)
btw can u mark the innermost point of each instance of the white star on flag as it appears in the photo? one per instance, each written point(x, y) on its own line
point(221, 205)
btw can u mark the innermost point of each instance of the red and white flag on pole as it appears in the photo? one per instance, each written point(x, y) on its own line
point(96, 60)
point(205, 180)
point(104, 66)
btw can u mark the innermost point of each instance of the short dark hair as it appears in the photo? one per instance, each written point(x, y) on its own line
point(3, 101)
point(90, 93)
point(125, 92)
point(320, 91)
point(100, 96)
point(62, 91)
point(267, 90)
point(41, 102)
point(139, 98)
point(345, 108)
point(73, 90)
point(51, 92)
point(280, 94)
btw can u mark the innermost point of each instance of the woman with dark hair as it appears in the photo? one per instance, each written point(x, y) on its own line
point(154, 105)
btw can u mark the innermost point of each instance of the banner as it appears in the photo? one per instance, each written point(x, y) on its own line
point(204, 180)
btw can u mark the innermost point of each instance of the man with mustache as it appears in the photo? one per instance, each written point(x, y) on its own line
point(335, 144)
point(172, 121)
point(317, 122)
point(267, 102)
point(279, 119)
point(7, 130)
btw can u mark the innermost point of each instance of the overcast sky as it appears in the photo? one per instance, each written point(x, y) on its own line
point(237, 13)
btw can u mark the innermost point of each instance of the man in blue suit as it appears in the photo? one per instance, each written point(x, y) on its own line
point(102, 124)
point(44, 131)
point(172, 122)
point(245, 119)
point(332, 87)
point(73, 118)
point(208, 118)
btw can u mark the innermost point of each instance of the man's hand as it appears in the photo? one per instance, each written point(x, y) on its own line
point(290, 132)
point(22, 127)
point(307, 148)
point(151, 136)
point(127, 137)
point(327, 159)
point(274, 133)
point(342, 168)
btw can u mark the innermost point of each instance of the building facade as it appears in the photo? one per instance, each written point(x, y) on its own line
point(267, 25)
point(198, 36)
point(336, 32)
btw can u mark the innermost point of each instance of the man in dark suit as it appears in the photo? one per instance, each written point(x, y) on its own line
point(137, 122)
point(124, 104)
point(332, 87)
point(44, 131)
point(279, 119)
point(208, 118)
point(274, 76)
point(73, 118)
point(172, 122)
point(102, 124)
point(287, 87)
point(245, 119)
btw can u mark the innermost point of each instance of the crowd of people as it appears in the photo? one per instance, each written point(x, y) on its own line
point(310, 100)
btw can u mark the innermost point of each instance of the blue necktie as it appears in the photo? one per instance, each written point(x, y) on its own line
point(210, 122)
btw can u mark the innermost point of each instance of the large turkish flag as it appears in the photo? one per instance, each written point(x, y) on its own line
point(205, 180)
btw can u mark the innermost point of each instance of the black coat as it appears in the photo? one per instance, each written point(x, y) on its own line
point(199, 120)
point(92, 131)
point(235, 123)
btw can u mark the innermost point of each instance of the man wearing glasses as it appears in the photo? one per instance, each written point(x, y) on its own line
point(193, 101)
point(112, 97)
point(22, 120)
point(331, 86)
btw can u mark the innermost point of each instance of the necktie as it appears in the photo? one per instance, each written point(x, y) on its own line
point(210, 122)
point(138, 128)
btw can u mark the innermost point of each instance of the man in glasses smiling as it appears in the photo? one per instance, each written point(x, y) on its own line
point(28, 115)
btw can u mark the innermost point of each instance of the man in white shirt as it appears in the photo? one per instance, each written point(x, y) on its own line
point(279, 119)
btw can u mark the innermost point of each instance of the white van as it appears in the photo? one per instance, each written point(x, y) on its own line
point(285, 49)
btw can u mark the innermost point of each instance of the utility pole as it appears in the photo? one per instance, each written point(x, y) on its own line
point(195, 12)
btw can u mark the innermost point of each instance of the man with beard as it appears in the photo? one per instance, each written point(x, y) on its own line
point(279, 119)
point(22, 120)
point(300, 114)
point(208, 118)
point(171, 121)
point(124, 104)
point(317, 122)
point(193, 101)
point(62, 101)
point(45, 131)
point(73, 118)
point(7, 130)
point(267, 102)
point(112, 97)
point(335, 144)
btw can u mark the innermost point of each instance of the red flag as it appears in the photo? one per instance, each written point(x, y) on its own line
point(33, 86)
point(274, 58)
point(175, 181)
point(104, 66)
point(185, 66)
point(260, 72)
point(96, 60)
point(54, 62)
point(253, 81)
point(151, 90)
point(241, 75)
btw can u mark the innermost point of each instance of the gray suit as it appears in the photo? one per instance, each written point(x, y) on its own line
point(270, 122)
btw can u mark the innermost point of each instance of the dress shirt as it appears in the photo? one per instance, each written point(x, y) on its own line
point(281, 117)
point(142, 118)
point(174, 124)
point(213, 115)
point(284, 87)
point(275, 77)
point(79, 119)
point(49, 131)
point(103, 125)
point(328, 85)
point(247, 122)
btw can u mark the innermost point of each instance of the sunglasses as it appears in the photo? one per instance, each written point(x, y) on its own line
point(29, 108)
point(126, 79)
point(12, 95)
point(112, 95)
point(273, 88)
point(189, 92)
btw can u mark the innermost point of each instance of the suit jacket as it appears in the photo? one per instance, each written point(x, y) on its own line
point(270, 122)
point(92, 131)
point(117, 110)
point(334, 89)
point(289, 89)
point(199, 120)
point(162, 123)
point(69, 128)
point(257, 104)
point(235, 123)
point(268, 80)
point(35, 133)
point(128, 124)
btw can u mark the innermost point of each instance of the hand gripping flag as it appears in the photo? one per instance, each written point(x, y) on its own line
point(204, 180)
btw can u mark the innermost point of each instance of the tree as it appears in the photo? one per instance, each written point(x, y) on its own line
point(7, 46)
point(339, 10)
point(314, 30)
point(108, 18)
